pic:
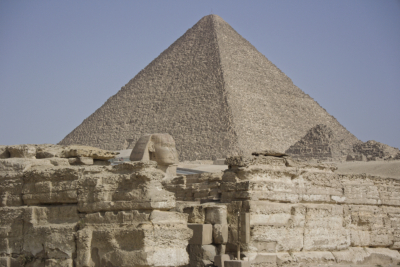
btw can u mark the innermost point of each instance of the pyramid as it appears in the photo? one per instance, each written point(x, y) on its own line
point(319, 143)
point(215, 94)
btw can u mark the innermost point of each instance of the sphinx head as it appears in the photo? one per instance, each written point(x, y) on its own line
point(157, 147)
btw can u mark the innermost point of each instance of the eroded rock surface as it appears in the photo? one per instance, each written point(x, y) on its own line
point(61, 215)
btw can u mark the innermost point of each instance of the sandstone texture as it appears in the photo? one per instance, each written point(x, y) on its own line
point(215, 94)
point(281, 211)
point(46, 151)
point(295, 213)
point(86, 215)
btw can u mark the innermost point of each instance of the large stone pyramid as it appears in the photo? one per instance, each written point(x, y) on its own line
point(215, 94)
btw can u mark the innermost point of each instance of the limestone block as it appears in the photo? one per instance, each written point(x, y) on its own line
point(6, 261)
point(59, 161)
point(48, 151)
point(126, 186)
point(201, 255)
point(264, 259)
point(245, 227)
point(276, 226)
point(285, 259)
point(101, 162)
point(216, 215)
point(10, 191)
point(80, 161)
point(59, 263)
point(320, 183)
point(87, 151)
point(132, 243)
point(382, 256)
point(15, 166)
point(286, 238)
point(314, 258)
point(219, 260)
point(55, 184)
point(237, 263)
point(11, 230)
point(166, 244)
point(265, 246)
point(245, 161)
point(372, 225)
point(4, 154)
point(353, 255)
point(22, 151)
point(220, 233)
point(324, 228)
point(209, 252)
point(221, 248)
point(49, 232)
point(389, 191)
point(11, 179)
point(202, 234)
point(168, 217)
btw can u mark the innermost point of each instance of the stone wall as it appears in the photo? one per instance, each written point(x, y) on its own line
point(196, 187)
point(53, 213)
point(88, 216)
point(305, 215)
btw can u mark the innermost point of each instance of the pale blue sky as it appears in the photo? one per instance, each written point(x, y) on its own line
point(61, 60)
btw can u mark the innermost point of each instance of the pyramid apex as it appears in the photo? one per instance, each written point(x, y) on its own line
point(212, 16)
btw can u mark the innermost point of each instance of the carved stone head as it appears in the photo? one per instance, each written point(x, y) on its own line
point(157, 147)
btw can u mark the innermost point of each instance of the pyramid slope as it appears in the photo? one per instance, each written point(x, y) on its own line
point(268, 110)
point(181, 92)
point(319, 143)
point(215, 94)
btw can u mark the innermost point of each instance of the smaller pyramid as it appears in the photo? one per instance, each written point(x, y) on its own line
point(374, 150)
point(320, 143)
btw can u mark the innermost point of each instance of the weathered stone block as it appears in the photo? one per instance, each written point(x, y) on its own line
point(202, 234)
point(263, 259)
point(101, 162)
point(127, 186)
point(22, 151)
point(245, 227)
point(4, 154)
point(324, 228)
point(55, 184)
point(11, 230)
point(219, 260)
point(168, 217)
point(220, 233)
point(314, 257)
point(80, 161)
point(237, 263)
point(196, 214)
point(87, 151)
point(216, 215)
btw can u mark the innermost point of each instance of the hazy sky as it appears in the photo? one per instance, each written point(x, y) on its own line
point(61, 60)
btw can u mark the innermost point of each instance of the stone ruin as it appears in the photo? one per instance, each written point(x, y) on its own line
point(55, 211)
point(319, 143)
point(322, 144)
point(373, 151)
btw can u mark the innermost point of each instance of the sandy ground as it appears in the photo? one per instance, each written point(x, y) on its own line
point(377, 168)
point(203, 167)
